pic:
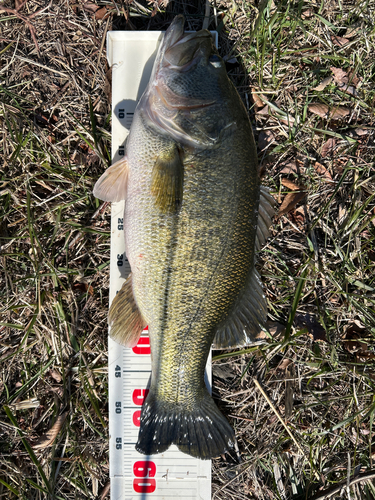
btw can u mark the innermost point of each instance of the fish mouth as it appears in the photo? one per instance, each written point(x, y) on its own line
point(181, 51)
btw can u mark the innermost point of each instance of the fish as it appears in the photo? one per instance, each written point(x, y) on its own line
point(195, 215)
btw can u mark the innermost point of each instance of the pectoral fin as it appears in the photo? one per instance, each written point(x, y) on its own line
point(125, 319)
point(167, 179)
point(111, 186)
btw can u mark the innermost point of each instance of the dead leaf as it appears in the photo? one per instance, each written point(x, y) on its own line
point(290, 201)
point(349, 90)
point(49, 437)
point(324, 83)
point(319, 109)
point(339, 75)
point(339, 113)
point(284, 364)
point(298, 216)
point(321, 169)
point(265, 139)
point(256, 95)
point(56, 376)
point(296, 166)
point(307, 14)
point(353, 78)
point(289, 184)
point(90, 7)
point(101, 13)
point(276, 329)
point(339, 40)
point(323, 111)
point(362, 131)
point(328, 147)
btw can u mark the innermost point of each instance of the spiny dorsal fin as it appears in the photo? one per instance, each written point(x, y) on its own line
point(167, 179)
point(265, 214)
point(111, 186)
point(124, 318)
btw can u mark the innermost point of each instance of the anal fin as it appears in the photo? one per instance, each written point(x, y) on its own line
point(125, 319)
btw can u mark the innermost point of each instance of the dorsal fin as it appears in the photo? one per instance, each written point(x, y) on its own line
point(265, 213)
point(248, 315)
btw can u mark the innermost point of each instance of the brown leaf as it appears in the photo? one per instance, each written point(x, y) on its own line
point(339, 75)
point(100, 13)
point(256, 95)
point(90, 7)
point(276, 329)
point(323, 111)
point(323, 84)
point(265, 139)
point(328, 147)
point(289, 184)
point(319, 109)
point(290, 201)
point(339, 112)
point(349, 90)
point(56, 375)
point(339, 40)
point(321, 169)
point(49, 437)
point(284, 364)
point(293, 167)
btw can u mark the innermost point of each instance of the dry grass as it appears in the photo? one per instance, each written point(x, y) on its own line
point(303, 403)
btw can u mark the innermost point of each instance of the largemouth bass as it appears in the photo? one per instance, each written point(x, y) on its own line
point(194, 215)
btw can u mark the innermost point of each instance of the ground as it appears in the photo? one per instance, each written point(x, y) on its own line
point(302, 402)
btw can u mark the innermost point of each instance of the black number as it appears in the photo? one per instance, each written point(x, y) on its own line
point(117, 371)
point(118, 406)
point(118, 443)
point(121, 150)
point(120, 224)
point(120, 260)
point(121, 113)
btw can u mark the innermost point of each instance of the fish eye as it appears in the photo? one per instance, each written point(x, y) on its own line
point(215, 61)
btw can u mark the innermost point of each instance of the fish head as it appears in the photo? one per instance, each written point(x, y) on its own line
point(188, 77)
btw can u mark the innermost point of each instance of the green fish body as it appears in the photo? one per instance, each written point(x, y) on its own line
point(195, 214)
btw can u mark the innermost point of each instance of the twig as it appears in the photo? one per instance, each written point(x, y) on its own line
point(284, 424)
point(322, 495)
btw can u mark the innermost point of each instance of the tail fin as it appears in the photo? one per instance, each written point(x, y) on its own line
point(200, 430)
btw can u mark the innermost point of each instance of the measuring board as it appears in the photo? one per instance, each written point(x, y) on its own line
point(171, 474)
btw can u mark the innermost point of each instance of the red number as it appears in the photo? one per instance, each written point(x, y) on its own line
point(137, 418)
point(145, 485)
point(144, 468)
point(143, 346)
point(139, 396)
point(144, 471)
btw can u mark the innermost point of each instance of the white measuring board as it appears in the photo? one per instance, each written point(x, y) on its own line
point(172, 474)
